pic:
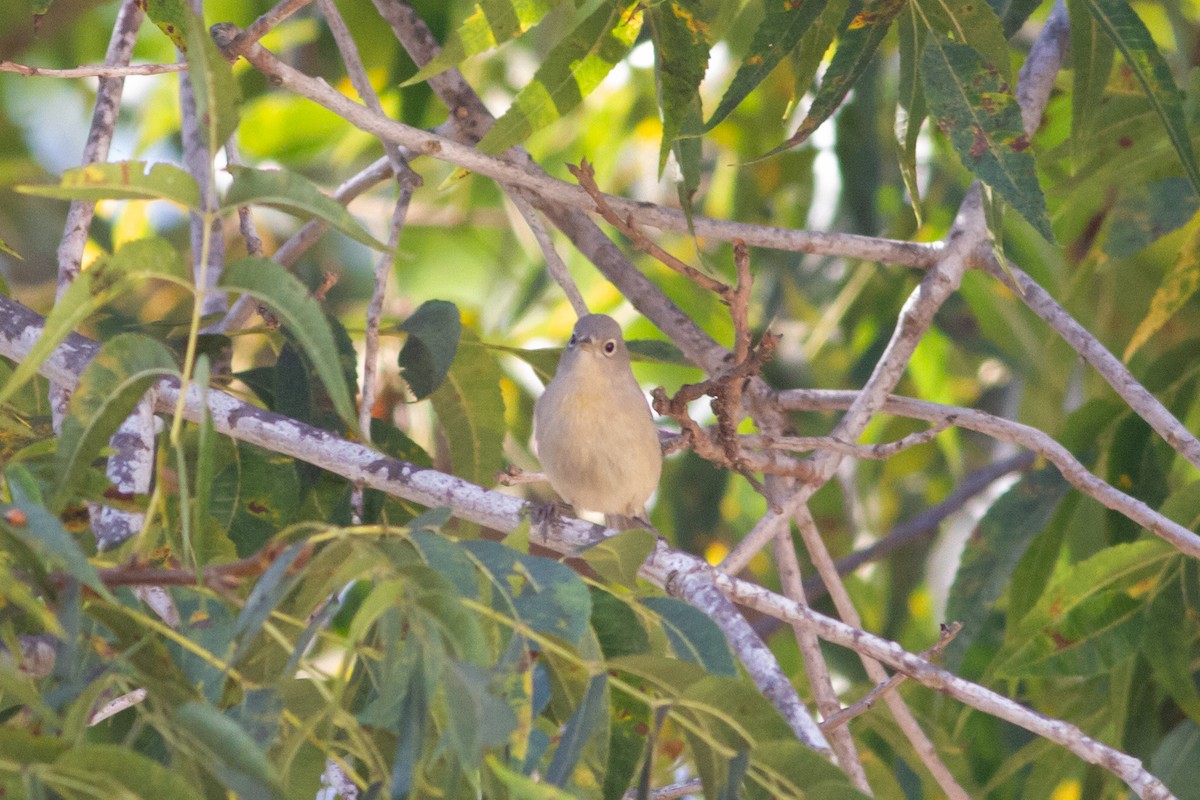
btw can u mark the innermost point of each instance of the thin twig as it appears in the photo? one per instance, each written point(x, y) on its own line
point(1146, 405)
point(263, 25)
point(554, 263)
point(1026, 436)
point(586, 175)
point(899, 710)
point(815, 666)
point(926, 522)
point(95, 71)
point(871, 452)
point(868, 701)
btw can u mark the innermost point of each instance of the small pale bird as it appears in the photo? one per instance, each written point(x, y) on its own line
point(595, 436)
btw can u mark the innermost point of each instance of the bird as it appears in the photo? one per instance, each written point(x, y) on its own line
point(593, 429)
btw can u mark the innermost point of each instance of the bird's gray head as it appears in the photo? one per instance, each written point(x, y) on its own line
point(598, 335)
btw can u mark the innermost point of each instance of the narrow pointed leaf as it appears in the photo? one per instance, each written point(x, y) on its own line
point(1013, 13)
point(779, 32)
point(570, 72)
point(856, 47)
point(910, 115)
point(290, 301)
point(992, 554)
point(1091, 616)
point(1129, 34)
point(1091, 63)
point(44, 534)
point(123, 180)
point(492, 23)
point(95, 286)
point(976, 109)
point(238, 762)
point(1174, 293)
point(4, 248)
point(971, 23)
point(470, 408)
point(295, 194)
point(583, 724)
point(216, 92)
point(138, 775)
point(678, 29)
point(810, 52)
point(109, 388)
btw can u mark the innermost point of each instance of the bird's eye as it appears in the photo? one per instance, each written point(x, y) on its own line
point(572, 340)
point(610, 347)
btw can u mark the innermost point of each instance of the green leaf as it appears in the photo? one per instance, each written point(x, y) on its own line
point(295, 194)
point(1176, 760)
point(492, 23)
point(237, 760)
point(994, 550)
point(856, 47)
point(134, 772)
point(522, 787)
point(977, 111)
point(678, 29)
point(95, 286)
point(618, 558)
point(4, 248)
point(543, 594)
point(1013, 13)
point(569, 73)
point(1176, 290)
point(44, 534)
point(911, 112)
point(587, 721)
point(779, 32)
point(1091, 64)
point(693, 636)
point(808, 55)
point(267, 593)
point(793, 766)
point(1129, 34)
point(1091, 616)
point(478, 718)
point(1146, 212)
point(172, 17)
point(1167, 641)
point(616, 625)
point(433, 333)
point(470, 408)
point(289, 299)
point(109, 389)
point(123, 180)
point(255, 497)
point(215, 90)
point(967, 22)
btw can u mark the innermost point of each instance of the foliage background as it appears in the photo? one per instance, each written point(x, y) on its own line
point(1123, 262)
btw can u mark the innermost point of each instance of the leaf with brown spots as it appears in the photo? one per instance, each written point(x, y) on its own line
point(975, 108)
